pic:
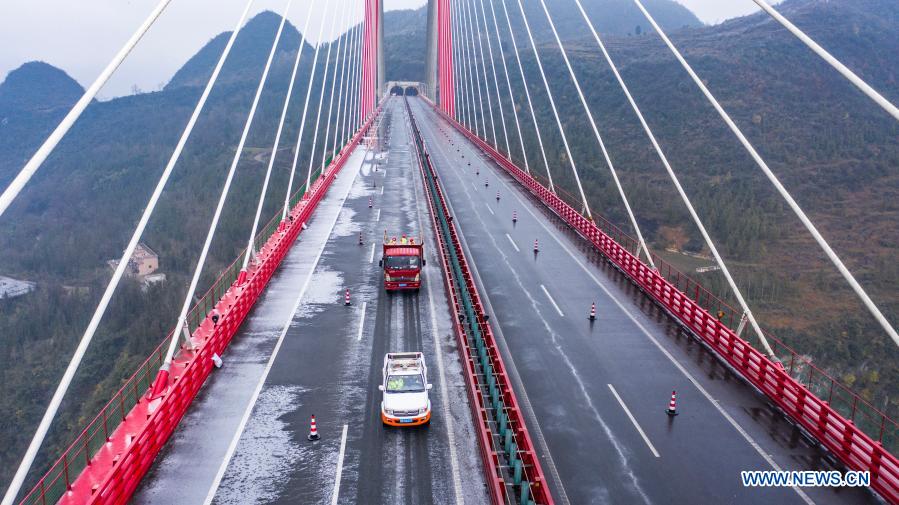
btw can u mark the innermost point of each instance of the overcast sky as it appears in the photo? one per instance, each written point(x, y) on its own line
point(81, 36)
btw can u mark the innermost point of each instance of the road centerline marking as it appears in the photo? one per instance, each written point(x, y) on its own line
point(336, 494)
point(555, 305)
point(513, 243)
point(361, 322)
point(634, 421)
point(378, 215)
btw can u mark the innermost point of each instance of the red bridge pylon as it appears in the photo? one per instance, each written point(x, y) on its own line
point(672, 405)
point(313, 431)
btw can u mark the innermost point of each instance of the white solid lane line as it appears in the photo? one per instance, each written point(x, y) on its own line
point(556, 305)
point(513, 243)
point(336, 494)
point(488, 208)
point(633, 420)
point(271, 360)
point(733, 422)
point(382, 190)
point(371, 259)
point(378, 215)
point(361, 321)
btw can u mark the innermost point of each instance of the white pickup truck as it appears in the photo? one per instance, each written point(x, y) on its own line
point(405, 389)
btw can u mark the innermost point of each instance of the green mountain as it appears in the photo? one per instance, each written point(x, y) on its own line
point(79, 211)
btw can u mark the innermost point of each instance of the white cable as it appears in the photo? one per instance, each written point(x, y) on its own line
point(674, 178)
point(484, 72)
point(321, 99)
point(502, 57)
point(780, 188)
point(476, 78)
point(458, 60)
point(339, 40)
point(28, 459)
point(527, 94)
point(17, 184)
point(357, 79)
point(251, 251)
point(466, 67)
point(188, 299)
point(833, 62)
point(552, 103)
point(499, 99)
point(343, 102)
point(602, 145)
point(351, 85)
point(296, 151)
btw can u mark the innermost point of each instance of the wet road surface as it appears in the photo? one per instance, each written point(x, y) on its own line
point(596, 393)
point(328, 365)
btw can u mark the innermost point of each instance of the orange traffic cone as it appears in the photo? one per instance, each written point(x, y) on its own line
point(369, 202)
point(672, 405)
point(346, 297)
point(360, 238)
point(497, 196)
point(313, 431)
point(486, 183)
point(536, 246)
point(593, 312)
point(514, 217)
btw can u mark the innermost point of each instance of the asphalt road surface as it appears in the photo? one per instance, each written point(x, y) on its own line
point(596, 394)
point(244, 439)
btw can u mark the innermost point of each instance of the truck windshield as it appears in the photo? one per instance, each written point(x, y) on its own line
point(402, 262)
point(405, 384)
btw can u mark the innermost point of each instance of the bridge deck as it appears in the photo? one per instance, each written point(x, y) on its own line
point(324, 368)
point(574, 372)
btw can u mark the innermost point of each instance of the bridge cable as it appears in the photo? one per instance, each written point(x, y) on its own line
point(343, 101)
point(664, 159)
point(502, 58)
point(321, 99)
point(832, 61)
point(351, 33)
point(251, 250)
point(527, 94)
point(28, 459)
point(33, 164)
point(350, 119)
point(552, 103)
point(299, 144)
point(466, 13)
point(878, 315)
point(343, 19)
point(599, 140)
point(458, 60)
point(499, 99)
point(213, 225)
point(477, 30)
point(357, 80)
point(466, 64)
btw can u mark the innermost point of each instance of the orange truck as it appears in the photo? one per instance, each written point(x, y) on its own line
point(402, 261)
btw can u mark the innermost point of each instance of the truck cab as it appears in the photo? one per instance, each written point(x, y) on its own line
point(402, 261)
point(405, 389)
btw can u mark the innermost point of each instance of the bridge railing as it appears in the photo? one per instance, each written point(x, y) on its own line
point(849, 426)
point(65, 470)
point(873, 421)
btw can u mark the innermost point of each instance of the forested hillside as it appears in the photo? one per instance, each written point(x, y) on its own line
point(79, 211)
point(836, 152)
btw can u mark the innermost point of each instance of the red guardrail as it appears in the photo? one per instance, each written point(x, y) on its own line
point(107, 461)
point(839, 435)
point(489, 429)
